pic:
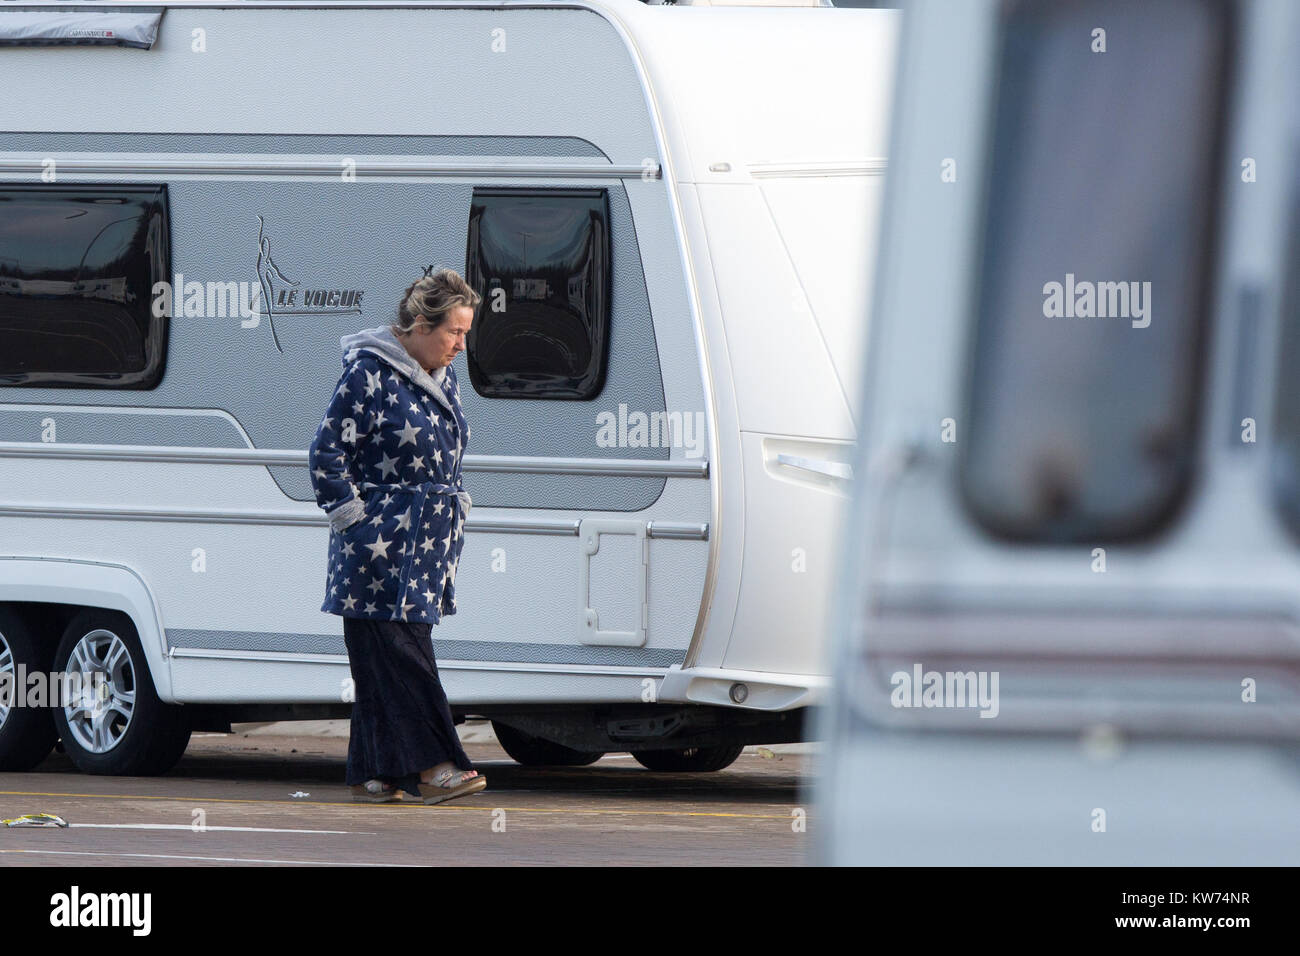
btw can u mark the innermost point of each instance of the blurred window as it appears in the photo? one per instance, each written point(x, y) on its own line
point(1285, 457)
point(1085, 365)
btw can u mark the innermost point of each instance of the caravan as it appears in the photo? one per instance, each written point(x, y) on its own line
point(1067, 627)
point(668, 210)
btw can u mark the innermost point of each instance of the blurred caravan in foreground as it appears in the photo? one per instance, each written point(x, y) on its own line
point(1068, 625)
point(665, 200)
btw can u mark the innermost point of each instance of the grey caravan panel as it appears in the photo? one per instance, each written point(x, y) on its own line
point(94, 426)
point(375, 237)
point(375, 240)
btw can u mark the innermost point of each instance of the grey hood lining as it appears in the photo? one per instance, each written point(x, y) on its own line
point(384, 344)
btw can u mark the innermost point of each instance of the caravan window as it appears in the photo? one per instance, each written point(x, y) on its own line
point(540, 259)
point(77, 271)
point(1086, 355)
point(1285, 456)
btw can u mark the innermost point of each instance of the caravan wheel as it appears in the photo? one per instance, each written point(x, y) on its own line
point(692, 759)
point(533, 751)
point(115, 723)
point(26, 733)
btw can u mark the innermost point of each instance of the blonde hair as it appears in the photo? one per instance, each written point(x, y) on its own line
point(432, 298)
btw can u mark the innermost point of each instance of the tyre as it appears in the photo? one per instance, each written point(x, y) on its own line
point(115, 724)
point(27, 734)
point(692, 759)
point(533, 751)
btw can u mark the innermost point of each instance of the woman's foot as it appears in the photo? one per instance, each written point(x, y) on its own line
point(450, 783)
point(375, 791)
point(432, 774)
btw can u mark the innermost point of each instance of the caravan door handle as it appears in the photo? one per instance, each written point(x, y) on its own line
point(836, 469)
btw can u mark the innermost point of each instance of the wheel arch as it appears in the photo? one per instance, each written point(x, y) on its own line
point(74, 584)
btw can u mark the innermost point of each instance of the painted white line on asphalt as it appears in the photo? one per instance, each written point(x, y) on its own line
point(206, 859)
point(188, 826)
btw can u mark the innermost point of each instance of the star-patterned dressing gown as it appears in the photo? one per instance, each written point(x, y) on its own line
point(386, 468)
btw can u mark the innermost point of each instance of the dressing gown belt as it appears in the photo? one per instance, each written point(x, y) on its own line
point(454, 490)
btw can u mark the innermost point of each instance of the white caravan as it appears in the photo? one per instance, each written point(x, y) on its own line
point(676, 204)
point(1068, 625)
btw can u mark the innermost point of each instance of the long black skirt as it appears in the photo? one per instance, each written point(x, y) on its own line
point(401, 722)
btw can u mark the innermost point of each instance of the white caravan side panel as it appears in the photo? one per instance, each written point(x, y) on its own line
point(784, 168)
point(506, 88)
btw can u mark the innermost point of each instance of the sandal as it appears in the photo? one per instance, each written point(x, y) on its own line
point(451, 784)
point(375, 791)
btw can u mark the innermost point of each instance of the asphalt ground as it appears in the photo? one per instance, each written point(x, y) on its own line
point(266, 799)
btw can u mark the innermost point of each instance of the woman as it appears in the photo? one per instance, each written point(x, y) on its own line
point(386, 468)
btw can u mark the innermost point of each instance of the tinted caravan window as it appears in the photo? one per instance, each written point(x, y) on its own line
point(1285, 457)
point(1096, 259)
point(540, 260)
point(77, 270)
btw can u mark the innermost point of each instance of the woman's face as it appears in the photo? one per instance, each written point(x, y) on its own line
point(434, 348)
